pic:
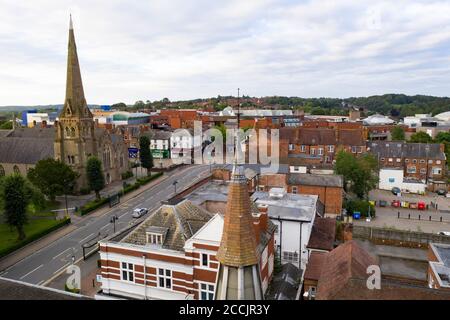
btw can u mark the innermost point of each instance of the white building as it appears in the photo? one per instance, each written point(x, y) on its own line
point(182, 145)
point(394, 177)
point(377, 119)
point(294, 215)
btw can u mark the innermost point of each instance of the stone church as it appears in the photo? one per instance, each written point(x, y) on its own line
point(73, 139)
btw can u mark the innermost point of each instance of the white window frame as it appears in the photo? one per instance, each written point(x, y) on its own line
point(154, 238)
point(202, 260)
point(127, 272)
point(164, 277)
point(302, 148)
point(330, 148)
point(205, 288)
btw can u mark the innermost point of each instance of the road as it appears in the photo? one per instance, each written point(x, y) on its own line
point(50, 260)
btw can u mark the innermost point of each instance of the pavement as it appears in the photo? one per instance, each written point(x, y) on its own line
point(387, 217)
point(44, 259)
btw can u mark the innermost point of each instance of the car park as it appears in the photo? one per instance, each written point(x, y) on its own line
point(139, 212)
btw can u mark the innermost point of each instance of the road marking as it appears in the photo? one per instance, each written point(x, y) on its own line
point(31, 272)
point(123, 215)
point(60, 253)
point(86, 237)
point(62, 268)
point(40, 282)
point(104, 227)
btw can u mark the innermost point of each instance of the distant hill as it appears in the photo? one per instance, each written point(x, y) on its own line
point(53, 107)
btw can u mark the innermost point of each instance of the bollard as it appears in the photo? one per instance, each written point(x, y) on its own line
point(419, 216)
point(430, 218)
point(440, 219)
point(398, 215)
point(409, 216)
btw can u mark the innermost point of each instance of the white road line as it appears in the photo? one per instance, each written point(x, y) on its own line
point(104, 227)
point(86, 237)
point(60, 254)
point(40, 282)
point(123, 215)
point(31, 272)
point(65, 266)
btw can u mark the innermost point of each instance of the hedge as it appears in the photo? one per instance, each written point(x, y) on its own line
point(34, 237)
point(93, 205)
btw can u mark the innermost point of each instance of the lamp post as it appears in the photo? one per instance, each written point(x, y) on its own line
point(113, 221)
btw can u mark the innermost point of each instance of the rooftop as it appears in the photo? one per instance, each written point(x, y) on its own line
point(323, 234)
point(323, 180)
point(406, 150)
point(441, 268)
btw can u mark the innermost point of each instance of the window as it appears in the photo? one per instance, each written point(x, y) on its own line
point(303, 148)
point(294, 190)
point(330, 148)
point(422, 161)
point(320, 151)
point(423, 171)
point(411, 169)
point(2, 171)
point(398, 160)
point(390, 159)
point(437, 170)
point(16, 170)
point(206, 291)
point(353, 149)
point(430, 161)
point(127, 272)
point(406, 160)
point(154, 238)
point(290, 256)
point(414, 161)
point(391, 180)
point(205, 259)
point(438, 161)
point(313, 151)
point(164, 278)
point(291, 146)
point(382, 159)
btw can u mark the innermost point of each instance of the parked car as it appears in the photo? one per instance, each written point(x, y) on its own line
point(382, 203)
point(395, 203)
point(444, 233)
point(421, 205)
point(441, 192)
point(413, 205)
point(395, 191)
point(139, 212)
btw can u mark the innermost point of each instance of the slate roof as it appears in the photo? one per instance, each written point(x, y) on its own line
point(182, 220)
point(25, 150)
point(322, 180)
point(159, 135)
point(323, 234)
point(18, 290)
point(35, 133)
point(322, 136)
point(284, 285)
point(406, 150)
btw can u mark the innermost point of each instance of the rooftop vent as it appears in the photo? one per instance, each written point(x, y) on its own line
point(277, 193)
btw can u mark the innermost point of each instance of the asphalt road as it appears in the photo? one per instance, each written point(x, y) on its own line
point(50, 260)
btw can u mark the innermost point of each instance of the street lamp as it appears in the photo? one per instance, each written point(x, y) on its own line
point(113, 220)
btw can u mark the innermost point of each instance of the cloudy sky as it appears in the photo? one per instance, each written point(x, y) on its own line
point(149, 49)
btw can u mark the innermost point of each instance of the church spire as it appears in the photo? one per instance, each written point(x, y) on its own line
point(75, 102)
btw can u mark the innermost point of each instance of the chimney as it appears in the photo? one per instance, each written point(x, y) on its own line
point(44, 124)
point(442, 147)
point(348, 232)
point(264, 216)
point(257, 226)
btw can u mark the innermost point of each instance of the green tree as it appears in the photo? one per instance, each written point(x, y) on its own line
point(95, 177)
point(52, 177)
point(16, 194)
point(398, 134)
point(359, 173)
point(6, 125)
point(421, 137)
point(145, 155)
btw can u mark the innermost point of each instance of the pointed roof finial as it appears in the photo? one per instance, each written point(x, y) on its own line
point(70, 23)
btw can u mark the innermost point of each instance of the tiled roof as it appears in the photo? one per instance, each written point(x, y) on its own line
point(25, 150)
point(323, 180)
point(314, 266)
point(346, 262)
point(35, 133)
point(17, 290)
point(182, 220)
point(323, 234)
point(238, 246)
point(322, 136)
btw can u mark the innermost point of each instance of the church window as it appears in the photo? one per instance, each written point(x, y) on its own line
point(72, 132)
point(2, 171)
point(16, 170)
point(67, 132)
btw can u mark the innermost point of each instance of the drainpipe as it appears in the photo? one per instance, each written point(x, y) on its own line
point(145, 277)
point(300, 249)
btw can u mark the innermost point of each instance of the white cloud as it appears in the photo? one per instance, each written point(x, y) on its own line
point(186, 49)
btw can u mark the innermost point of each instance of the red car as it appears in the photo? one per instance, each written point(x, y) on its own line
point(421, 205)
point(395, 203)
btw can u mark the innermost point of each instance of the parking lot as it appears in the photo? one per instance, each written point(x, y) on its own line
point(387, 217)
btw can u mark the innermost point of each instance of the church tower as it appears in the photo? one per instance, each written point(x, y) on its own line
point(75, 140)
point(239, 275)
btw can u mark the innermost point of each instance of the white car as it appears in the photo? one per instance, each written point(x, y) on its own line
point(139, 212)
point(444, 233)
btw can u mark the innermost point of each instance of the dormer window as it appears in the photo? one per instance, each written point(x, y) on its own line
point(156, 235)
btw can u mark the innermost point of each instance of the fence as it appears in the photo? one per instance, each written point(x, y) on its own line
point(398, 237)
point(445, 218)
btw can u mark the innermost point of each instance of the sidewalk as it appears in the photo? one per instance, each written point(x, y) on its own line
point(48, 239)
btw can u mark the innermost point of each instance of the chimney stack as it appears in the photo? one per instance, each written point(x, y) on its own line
point(348, 232)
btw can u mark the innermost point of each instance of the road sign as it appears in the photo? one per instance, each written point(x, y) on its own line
point(133, 152)
point(356, 215)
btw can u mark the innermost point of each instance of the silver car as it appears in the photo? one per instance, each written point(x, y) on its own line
point(139, 212)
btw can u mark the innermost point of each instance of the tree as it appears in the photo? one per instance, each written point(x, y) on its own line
point(17, 193)
point(398, 134)
point(359, 173)
point(421, 137)
point(52, 177)
point(95, 177)
point(145, 155)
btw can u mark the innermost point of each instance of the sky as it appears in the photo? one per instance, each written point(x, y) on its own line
point(151, 49)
